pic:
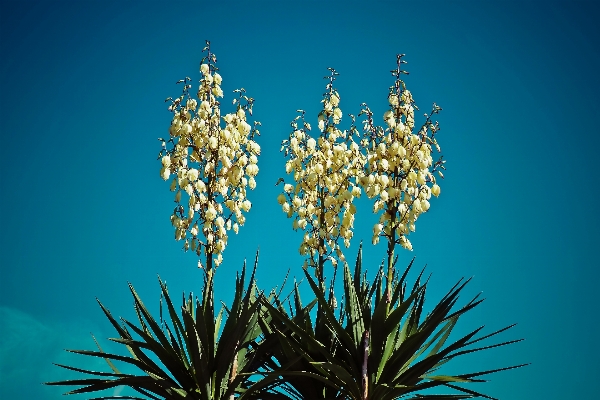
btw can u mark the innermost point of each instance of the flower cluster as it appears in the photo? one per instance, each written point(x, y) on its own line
point(213, 159)
point(324, 171)
point(400, 168)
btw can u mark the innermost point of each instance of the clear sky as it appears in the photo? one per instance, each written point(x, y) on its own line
point(83, 209)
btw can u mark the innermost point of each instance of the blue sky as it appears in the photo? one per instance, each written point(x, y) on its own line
point(83, 210)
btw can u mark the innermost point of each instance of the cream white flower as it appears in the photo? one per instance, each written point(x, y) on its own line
point(251, 170)
point(200, 186)
point(377, 228)
point(210, 214)
point(246, 205)
point(389, 119)
point(297, 202)
point(321, 122)
point(165, 173)
point(217, 91)
point(335, 100)
point(192, 175)
point(404, 242)
point(244, 128)
point(384, 165)
point(191, 104)
point(337, 115)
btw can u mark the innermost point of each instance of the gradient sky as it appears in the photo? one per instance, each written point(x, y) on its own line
point(83, 210)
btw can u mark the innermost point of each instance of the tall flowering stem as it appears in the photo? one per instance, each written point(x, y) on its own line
point(324, 181)
point(399, 173)
point(213, 160)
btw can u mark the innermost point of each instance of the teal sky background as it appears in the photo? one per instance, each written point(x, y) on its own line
point(83, 209)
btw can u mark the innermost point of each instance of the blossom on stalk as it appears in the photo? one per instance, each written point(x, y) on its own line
point(323, 185)
point(212, 159)
point(400, 168)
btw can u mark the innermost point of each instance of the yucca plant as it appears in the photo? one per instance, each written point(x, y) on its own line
point(194, 358)
point(283, 366)
point(374, 354)
point(210, 158)
point(323, 168)
point(379, 346)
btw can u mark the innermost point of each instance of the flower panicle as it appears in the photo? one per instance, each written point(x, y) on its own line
point(400, 167)
point(323, 172)
point(211, 160)
point(393, 164)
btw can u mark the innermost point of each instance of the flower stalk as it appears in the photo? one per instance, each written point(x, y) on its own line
point(213, 159)
point(399, 173)
point(324, 171)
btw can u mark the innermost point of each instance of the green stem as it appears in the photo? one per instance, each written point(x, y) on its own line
point(320, 322)
point(209, 261)
point(321, 261)
point(390, 254)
